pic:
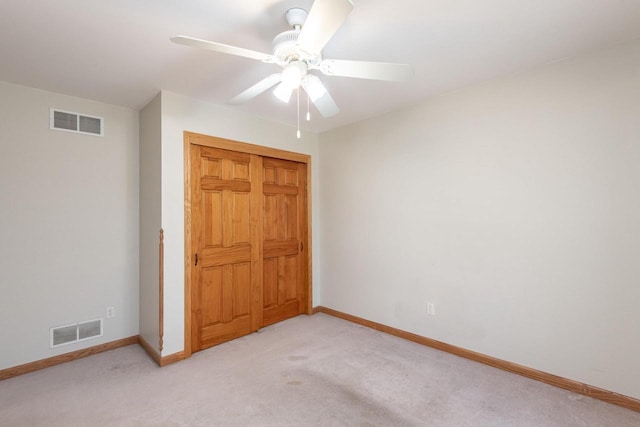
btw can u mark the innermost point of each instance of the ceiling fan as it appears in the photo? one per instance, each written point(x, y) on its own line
point(299, 53)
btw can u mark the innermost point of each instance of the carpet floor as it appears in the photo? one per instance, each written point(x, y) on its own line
point(307, 371)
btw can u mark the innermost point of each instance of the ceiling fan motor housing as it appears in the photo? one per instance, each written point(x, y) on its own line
point(284, 45)
point(286, 50)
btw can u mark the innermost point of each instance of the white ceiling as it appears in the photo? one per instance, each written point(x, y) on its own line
point(118, 51)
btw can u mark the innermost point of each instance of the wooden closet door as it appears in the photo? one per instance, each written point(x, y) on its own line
point(226, 271)
point(285, 280)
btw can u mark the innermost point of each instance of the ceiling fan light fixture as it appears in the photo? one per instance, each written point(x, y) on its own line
point(314, 88)
point(293, 73)
point(283, 92)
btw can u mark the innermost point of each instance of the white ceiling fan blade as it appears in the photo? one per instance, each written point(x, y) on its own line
point(367, 70)
point(325, 17)
point(255, 90)
point(319, 96)
point(222, 48)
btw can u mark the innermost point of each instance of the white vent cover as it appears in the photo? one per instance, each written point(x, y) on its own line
point(74, 122)
point(76, 332)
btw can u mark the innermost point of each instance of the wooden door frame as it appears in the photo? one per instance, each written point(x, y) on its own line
point(191, 138)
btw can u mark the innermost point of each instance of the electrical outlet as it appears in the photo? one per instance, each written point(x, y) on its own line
point(431, 309)
point(111, 312)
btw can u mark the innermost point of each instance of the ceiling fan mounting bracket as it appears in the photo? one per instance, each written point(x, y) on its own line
point(296, 17)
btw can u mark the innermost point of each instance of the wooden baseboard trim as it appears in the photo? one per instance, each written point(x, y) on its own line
point(150, 350)
point(172, 358)
point(160, 360)
point(554, 380)
point(67, 357)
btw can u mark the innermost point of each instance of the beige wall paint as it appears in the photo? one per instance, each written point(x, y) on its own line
point(179, 114)
point(68, 223)
point(512, 205)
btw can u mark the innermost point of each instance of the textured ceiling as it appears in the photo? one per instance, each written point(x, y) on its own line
point(118, 51)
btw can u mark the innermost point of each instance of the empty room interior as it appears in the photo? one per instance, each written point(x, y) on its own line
point(329, 212)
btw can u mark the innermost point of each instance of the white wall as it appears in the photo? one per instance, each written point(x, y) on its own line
point(513, 205)
point(181, 114)
point(68, 223)
point(150, 220)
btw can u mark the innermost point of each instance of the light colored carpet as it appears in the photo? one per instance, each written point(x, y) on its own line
point(307, 371)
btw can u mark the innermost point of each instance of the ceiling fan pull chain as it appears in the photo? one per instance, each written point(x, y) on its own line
point(298, 96)
point(308, 113)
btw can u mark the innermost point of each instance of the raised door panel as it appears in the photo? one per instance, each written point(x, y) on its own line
point(222, 279)
point(284, 203)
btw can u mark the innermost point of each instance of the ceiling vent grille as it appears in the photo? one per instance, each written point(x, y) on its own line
point(74, 122)
point(76, 332)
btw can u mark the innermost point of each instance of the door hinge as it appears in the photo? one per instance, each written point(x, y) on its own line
point(196, 258)
point(301, 246)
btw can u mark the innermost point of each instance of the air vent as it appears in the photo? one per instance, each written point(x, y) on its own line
point(76, 332)
point(74, 122)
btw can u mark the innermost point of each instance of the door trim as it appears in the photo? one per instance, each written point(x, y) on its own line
point(243, 147)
